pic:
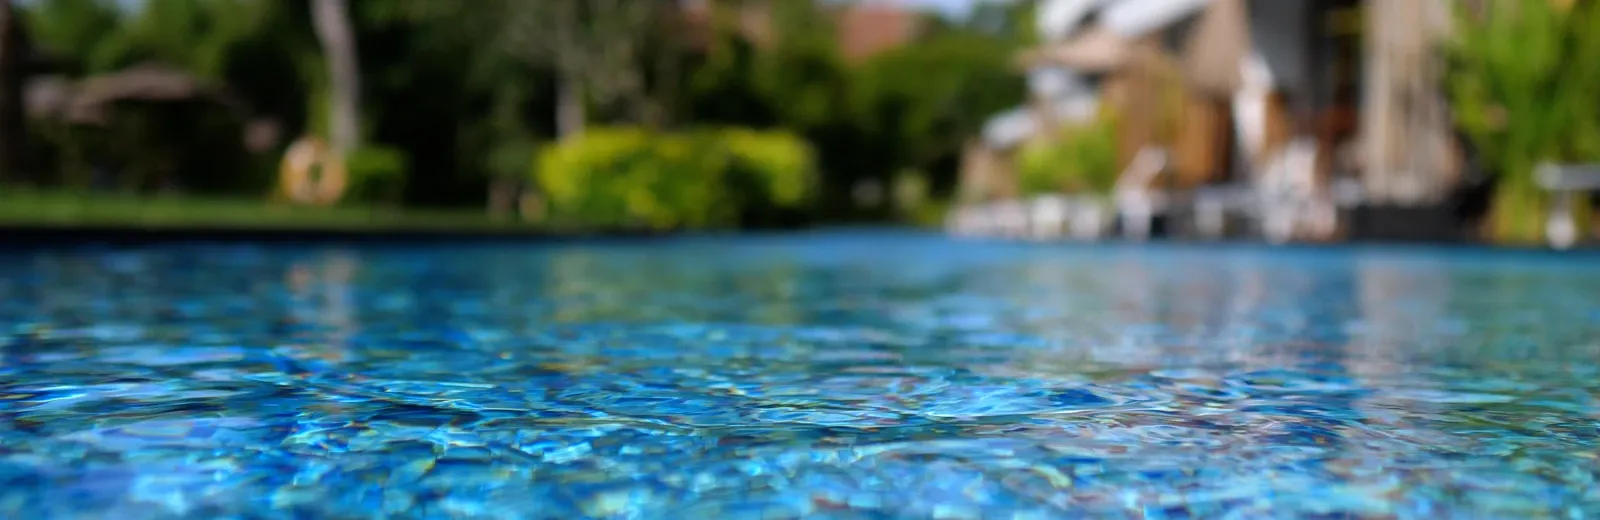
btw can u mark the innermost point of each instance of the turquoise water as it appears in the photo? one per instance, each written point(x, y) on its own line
point(829, 375)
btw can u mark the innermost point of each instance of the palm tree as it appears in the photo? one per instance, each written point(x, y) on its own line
point(331, 19)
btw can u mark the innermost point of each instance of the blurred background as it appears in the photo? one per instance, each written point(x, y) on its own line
point(1311, 120)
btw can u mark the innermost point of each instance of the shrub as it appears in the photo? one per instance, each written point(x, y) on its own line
point(779, 164)
point(509, 157)
point(1079, 158)
point(633, 178)
point(1520, 85)
point(377, 174)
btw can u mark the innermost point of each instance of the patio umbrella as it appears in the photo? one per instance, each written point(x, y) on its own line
point(1138, 18)
point(1213, 53)
point(177, 103)
point(1096, 50)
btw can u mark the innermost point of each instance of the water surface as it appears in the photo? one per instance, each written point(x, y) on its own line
point(830, 375)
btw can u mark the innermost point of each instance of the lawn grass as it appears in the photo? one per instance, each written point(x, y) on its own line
point(34, 208)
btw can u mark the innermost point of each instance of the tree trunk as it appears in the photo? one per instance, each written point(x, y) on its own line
point(331, 19)
point(503, 194)
point(569, 107)
point(13, 75)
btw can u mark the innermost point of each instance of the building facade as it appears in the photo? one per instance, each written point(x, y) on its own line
point(1354, 84)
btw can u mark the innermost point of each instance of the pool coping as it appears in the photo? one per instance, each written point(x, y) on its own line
point(30, 236)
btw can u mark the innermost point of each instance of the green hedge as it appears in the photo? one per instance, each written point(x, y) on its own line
point(377, 174)
point(1078, 158)
point(635, 178)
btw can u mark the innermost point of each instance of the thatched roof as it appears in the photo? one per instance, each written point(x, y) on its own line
point(1107, 45)
point(89, 101)
point(1096, 50)
point(47, 97)
point(1217, 46)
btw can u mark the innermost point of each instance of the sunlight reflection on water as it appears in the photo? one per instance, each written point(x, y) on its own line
point(826, 375)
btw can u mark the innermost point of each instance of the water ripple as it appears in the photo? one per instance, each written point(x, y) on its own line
point(818, 376)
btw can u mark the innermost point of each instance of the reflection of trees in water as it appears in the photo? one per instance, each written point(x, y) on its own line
point(1443, 311)
point(1487, 315)
point(1135, 300)
point(584, 285)
point(580, 285)
point(320, 290)
point(1246, 312)
point(1400, 305)
point(1453, 349)
point(777, 291)
point(1278, 315)
point(1137, 309)
point(1134, 297)
point(1051, 296)
point(1243, 304)
point(1067, 303)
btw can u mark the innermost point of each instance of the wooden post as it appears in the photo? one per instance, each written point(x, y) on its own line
point(1201, 146)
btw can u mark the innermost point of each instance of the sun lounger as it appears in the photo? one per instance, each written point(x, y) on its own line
point(1565, 181)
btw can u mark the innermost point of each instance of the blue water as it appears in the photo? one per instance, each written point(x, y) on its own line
point(831, 375)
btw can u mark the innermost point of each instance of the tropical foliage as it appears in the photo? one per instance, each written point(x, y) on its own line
point(377, 174)
point(1077, 158)
point(1522, 88)
point(693, 126)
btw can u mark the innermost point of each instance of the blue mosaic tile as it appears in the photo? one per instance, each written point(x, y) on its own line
point(830, 375)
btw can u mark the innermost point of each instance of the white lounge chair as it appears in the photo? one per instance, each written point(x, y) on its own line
point(1136, 204)
point(1565, 181)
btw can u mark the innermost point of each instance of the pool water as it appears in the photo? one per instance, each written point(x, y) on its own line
point(824, 375)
